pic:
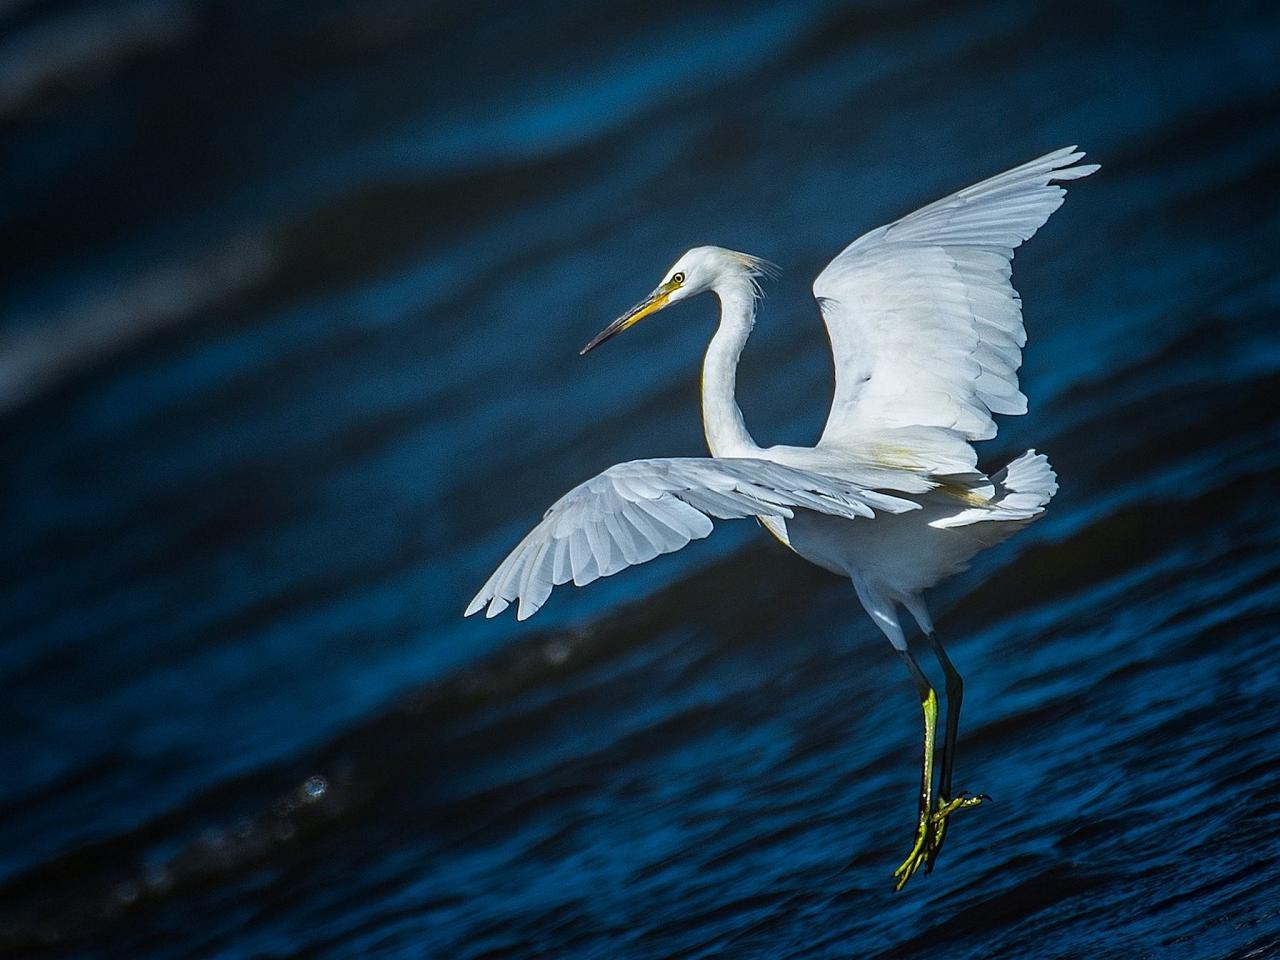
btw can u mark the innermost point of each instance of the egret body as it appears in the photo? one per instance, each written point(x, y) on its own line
point(927, 335)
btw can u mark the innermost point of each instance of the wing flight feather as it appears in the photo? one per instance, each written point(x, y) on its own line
point(925, 326)
point(635, 511)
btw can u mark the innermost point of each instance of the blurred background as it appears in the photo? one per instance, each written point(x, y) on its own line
point(291, 303)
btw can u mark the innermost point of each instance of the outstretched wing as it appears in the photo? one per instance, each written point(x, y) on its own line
point(925, 325)
point(635, 511)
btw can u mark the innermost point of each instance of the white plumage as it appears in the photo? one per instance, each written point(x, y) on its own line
point(925, 325)
point(926, 331)
point(927, 336)
point(636, 511)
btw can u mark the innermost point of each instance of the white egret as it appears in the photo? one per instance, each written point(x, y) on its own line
point(927, 334)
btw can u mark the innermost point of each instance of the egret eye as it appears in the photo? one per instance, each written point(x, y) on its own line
point(677, 278)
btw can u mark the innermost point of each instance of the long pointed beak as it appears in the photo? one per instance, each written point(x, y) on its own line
point(650, 304)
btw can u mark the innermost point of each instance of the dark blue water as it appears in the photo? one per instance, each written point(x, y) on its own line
point(289, 323)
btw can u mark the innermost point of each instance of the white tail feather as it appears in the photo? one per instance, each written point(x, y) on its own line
point(1023, 489)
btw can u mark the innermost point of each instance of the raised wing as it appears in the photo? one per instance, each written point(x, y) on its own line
point(925, 325)
point(635, 511)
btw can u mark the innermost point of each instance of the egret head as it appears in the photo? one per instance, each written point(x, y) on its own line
point(699, 270)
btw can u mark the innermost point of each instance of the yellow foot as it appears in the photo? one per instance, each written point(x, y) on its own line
point(945, 809)
point(919, 853)
point(929, 834)
point(963, 801)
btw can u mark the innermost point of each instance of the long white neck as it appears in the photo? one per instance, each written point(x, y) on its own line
point(722, 421)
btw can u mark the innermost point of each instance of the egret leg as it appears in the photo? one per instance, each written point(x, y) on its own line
point(947, 801)
point(925, 824)
point(955, 697)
